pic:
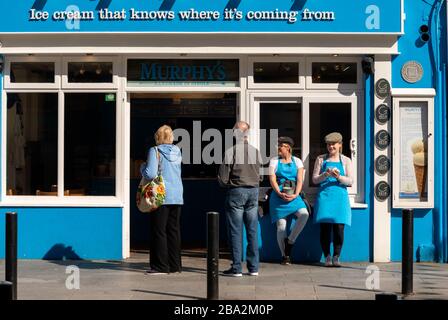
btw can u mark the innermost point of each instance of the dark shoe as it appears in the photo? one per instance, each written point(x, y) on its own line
point(286, 261)
point(288, 247)
point(232, 273)
point(154, 272)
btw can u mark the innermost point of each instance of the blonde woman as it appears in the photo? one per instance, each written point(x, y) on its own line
point(165, 246)
point(333, 173)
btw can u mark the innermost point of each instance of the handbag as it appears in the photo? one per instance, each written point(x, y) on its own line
point(263, 200)
point(151, 194)
point(307, 203)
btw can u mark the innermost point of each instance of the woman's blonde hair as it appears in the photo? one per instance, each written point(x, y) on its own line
point(164, 135)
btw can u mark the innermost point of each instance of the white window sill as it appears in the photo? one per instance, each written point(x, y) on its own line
point(50, 201)
point(357, 205)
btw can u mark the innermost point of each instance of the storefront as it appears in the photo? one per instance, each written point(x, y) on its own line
point(85, 86)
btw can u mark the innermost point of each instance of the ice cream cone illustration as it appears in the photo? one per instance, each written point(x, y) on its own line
point(420, 162)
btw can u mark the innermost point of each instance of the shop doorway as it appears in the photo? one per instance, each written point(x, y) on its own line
point(194, 113)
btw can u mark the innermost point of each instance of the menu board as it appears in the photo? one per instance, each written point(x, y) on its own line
point(413, 164)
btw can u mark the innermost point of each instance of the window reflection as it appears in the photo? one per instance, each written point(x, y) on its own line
point(90, 138)
point(276, 72)
point(33, 72)
point(90, 72)
point(334, 72)
point(324, 119)
point(32, 136)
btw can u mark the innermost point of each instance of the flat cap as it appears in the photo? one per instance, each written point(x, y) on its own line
point(333, 137)
point(286, 140)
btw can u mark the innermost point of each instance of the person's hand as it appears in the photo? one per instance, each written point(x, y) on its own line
point(283, 196)
point(335, 173)
point(290, 197)
point(328, 173)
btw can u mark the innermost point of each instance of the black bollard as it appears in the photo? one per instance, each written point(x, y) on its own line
point(407, 262)
point(212, 255)
point(5, 291)
point(11, 252)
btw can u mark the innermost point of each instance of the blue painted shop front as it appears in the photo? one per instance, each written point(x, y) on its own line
point(97, 233)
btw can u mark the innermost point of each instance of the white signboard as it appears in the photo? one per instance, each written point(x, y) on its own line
point(413, 154)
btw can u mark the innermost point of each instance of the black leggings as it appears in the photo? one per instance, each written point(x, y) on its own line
point(165, 246)
point(325, 237)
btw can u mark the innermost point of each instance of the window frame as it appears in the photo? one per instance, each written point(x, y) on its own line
point(356, 192)
point(90, 85)
point(301, 76)
point(32, 85)
point(339, 86)
point(60, 200)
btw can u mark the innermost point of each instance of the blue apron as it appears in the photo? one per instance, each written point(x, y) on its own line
point(332, 202)
point(279, 208)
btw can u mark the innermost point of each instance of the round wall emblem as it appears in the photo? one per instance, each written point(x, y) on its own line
point(382, 139)
point(412, 71)
point(382, 191)
point(382, 88)
point(382, 113)
point(382, 165)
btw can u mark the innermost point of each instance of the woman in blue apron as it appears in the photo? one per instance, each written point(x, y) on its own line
point(333, 173)
point(286, 178)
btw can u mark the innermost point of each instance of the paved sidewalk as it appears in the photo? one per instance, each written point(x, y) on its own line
point(126, 280)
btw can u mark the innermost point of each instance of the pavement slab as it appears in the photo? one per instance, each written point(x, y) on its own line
point(126, 280)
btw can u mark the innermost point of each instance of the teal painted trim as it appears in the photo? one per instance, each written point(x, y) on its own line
point(1, 104)
point(66, 233)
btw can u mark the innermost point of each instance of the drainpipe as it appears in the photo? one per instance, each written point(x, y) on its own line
point(439, 207)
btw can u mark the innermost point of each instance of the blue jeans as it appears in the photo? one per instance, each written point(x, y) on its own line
point(242, 207)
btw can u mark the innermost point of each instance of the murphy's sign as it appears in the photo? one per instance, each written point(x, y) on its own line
point(183, 71)
point(233, 16)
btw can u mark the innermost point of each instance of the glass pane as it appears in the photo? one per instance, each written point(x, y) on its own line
point(193, 112)
point(276, 72)
point(286, 118)
point(334, 72)
point(185, 72)
point(32, 142)
point(90, 72)
point(414, 150)
point(90, 139)
point(324, 119)
point(33, 72)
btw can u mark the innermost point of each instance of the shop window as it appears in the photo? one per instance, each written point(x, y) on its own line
point(194, 113)
point(90, 144)
point(32, 72)
point(326, 118)
point(276, 72)
point(182, 72)
point(90, 72)
point(32, 144)
point(286, 118)
point(334, 72)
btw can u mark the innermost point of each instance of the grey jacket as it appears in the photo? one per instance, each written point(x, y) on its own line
point(241, 167)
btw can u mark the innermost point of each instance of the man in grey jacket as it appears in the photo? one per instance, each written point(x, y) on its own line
point(240, 174)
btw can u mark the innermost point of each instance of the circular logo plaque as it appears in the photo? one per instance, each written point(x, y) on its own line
point(382, 113)
point(382, 139)
point(382, 191)
point(412, 71)
point(382, 165)
point(382, 88)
